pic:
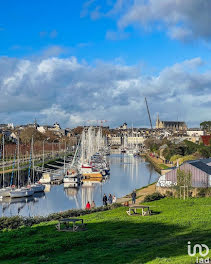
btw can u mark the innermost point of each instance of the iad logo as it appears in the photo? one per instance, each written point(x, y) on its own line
point(200, 248)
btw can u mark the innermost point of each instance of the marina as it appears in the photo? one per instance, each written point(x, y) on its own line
point(126, 173)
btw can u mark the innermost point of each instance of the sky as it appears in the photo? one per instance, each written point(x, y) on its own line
point(76, 62)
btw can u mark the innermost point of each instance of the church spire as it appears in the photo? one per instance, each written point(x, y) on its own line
point(157, 121)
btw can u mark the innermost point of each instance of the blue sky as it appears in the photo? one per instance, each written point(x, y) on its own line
point(92, 60)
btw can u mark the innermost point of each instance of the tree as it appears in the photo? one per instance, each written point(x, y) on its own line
point(153, 144)
point(27, 133)
point(206, 125)
point(205, 152)
point(184, 180)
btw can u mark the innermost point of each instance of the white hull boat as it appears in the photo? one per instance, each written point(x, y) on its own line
point(5, 192)
point(46, 178)
point(72, 184)
point(22, 192)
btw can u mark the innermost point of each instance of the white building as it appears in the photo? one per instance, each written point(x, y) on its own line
point(194, 132)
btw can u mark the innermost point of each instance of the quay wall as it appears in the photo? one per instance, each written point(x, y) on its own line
point(156, 166)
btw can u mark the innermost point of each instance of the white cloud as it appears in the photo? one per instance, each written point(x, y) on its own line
point(183, 19)
point(119, 35)
point(70, 92)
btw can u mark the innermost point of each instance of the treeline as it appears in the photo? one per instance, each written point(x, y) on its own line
point(172, 151)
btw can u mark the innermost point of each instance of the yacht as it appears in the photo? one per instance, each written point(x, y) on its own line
point(37, 187)
point(21, 192)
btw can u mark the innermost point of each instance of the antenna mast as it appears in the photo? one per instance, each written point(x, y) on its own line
point(148, 113)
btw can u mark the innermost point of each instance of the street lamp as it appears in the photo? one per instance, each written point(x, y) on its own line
point(43, 151)
point(52, 145)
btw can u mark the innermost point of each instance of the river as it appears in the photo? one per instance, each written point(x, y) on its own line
point(126, 174)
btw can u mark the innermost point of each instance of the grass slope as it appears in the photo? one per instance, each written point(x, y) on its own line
point(115, 237)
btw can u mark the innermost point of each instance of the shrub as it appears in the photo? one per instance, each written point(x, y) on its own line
point(15, 222)
point(175, 157)
point(202, 192)
point(153, 197)
point(169, 194)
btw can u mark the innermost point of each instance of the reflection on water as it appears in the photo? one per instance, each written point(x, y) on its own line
point(127, 173)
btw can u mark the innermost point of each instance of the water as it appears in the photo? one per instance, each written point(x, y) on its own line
point(126, 174)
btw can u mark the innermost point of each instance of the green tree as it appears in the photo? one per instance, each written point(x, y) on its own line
point(205, 152)
point(184, 182)
point(184, 178)
point(206, 125)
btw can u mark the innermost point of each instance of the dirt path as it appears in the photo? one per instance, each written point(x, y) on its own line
point(140, 194)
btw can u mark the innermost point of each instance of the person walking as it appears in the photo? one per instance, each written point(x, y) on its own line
point(88, 206)
point(114, 199)
point(133, 196)
point(105, 200)
point(110, 199)
point(93, 205)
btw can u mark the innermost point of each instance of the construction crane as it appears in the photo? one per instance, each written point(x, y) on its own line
point(148, 112)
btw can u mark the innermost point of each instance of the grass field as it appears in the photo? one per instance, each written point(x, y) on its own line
point(115, 237)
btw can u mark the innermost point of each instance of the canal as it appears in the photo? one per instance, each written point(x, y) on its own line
point(126, 174)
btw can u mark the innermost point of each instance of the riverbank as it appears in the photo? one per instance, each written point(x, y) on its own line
point(157, 163)
point(140, 194)
point(115, 237)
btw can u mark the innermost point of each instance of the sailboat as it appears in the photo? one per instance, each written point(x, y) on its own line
point(4, 191)
point(24, 191)
point(36, 187)
point(73, 178)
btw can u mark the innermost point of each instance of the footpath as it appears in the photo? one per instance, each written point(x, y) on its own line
point(140, 194)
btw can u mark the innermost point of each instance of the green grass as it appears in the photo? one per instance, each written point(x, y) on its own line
point(115, 237)
point(163, 166)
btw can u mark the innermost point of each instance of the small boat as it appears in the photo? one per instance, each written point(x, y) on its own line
point(73, 178)
point(21, 192)
point(5, 192)
point(37, 187)
point(46, 178)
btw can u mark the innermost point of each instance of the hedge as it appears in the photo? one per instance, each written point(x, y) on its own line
point(15, 222)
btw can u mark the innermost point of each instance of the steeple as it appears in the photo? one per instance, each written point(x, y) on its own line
point(157, 121)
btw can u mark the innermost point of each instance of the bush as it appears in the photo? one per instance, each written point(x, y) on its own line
point(175, 157)
point(15, 222)
point(153, 197)
point(204, 192)
point(169, 194)
point(201, 192)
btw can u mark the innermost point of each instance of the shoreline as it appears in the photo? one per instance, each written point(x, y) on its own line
point(140, 194)
point(145, 190)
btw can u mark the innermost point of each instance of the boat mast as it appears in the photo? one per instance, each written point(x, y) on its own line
point(18, 162)
point(33, 178)
point(3, 159)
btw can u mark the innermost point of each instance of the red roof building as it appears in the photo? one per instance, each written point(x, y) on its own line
point(206, 140)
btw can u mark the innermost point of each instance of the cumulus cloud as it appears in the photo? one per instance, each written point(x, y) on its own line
point(182, 19)
point(70, 92)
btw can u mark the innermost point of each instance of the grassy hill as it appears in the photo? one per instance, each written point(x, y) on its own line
point(115, 237)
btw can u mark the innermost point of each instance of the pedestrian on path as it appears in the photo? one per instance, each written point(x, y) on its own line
point(88, 206)
point(105, 199)
point(114, 199)
point(110, 199)
point(133, 196)
point(93, 205)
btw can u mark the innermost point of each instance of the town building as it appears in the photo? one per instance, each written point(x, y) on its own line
point(200, 174)
point(171, 125)
point(123, 127)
